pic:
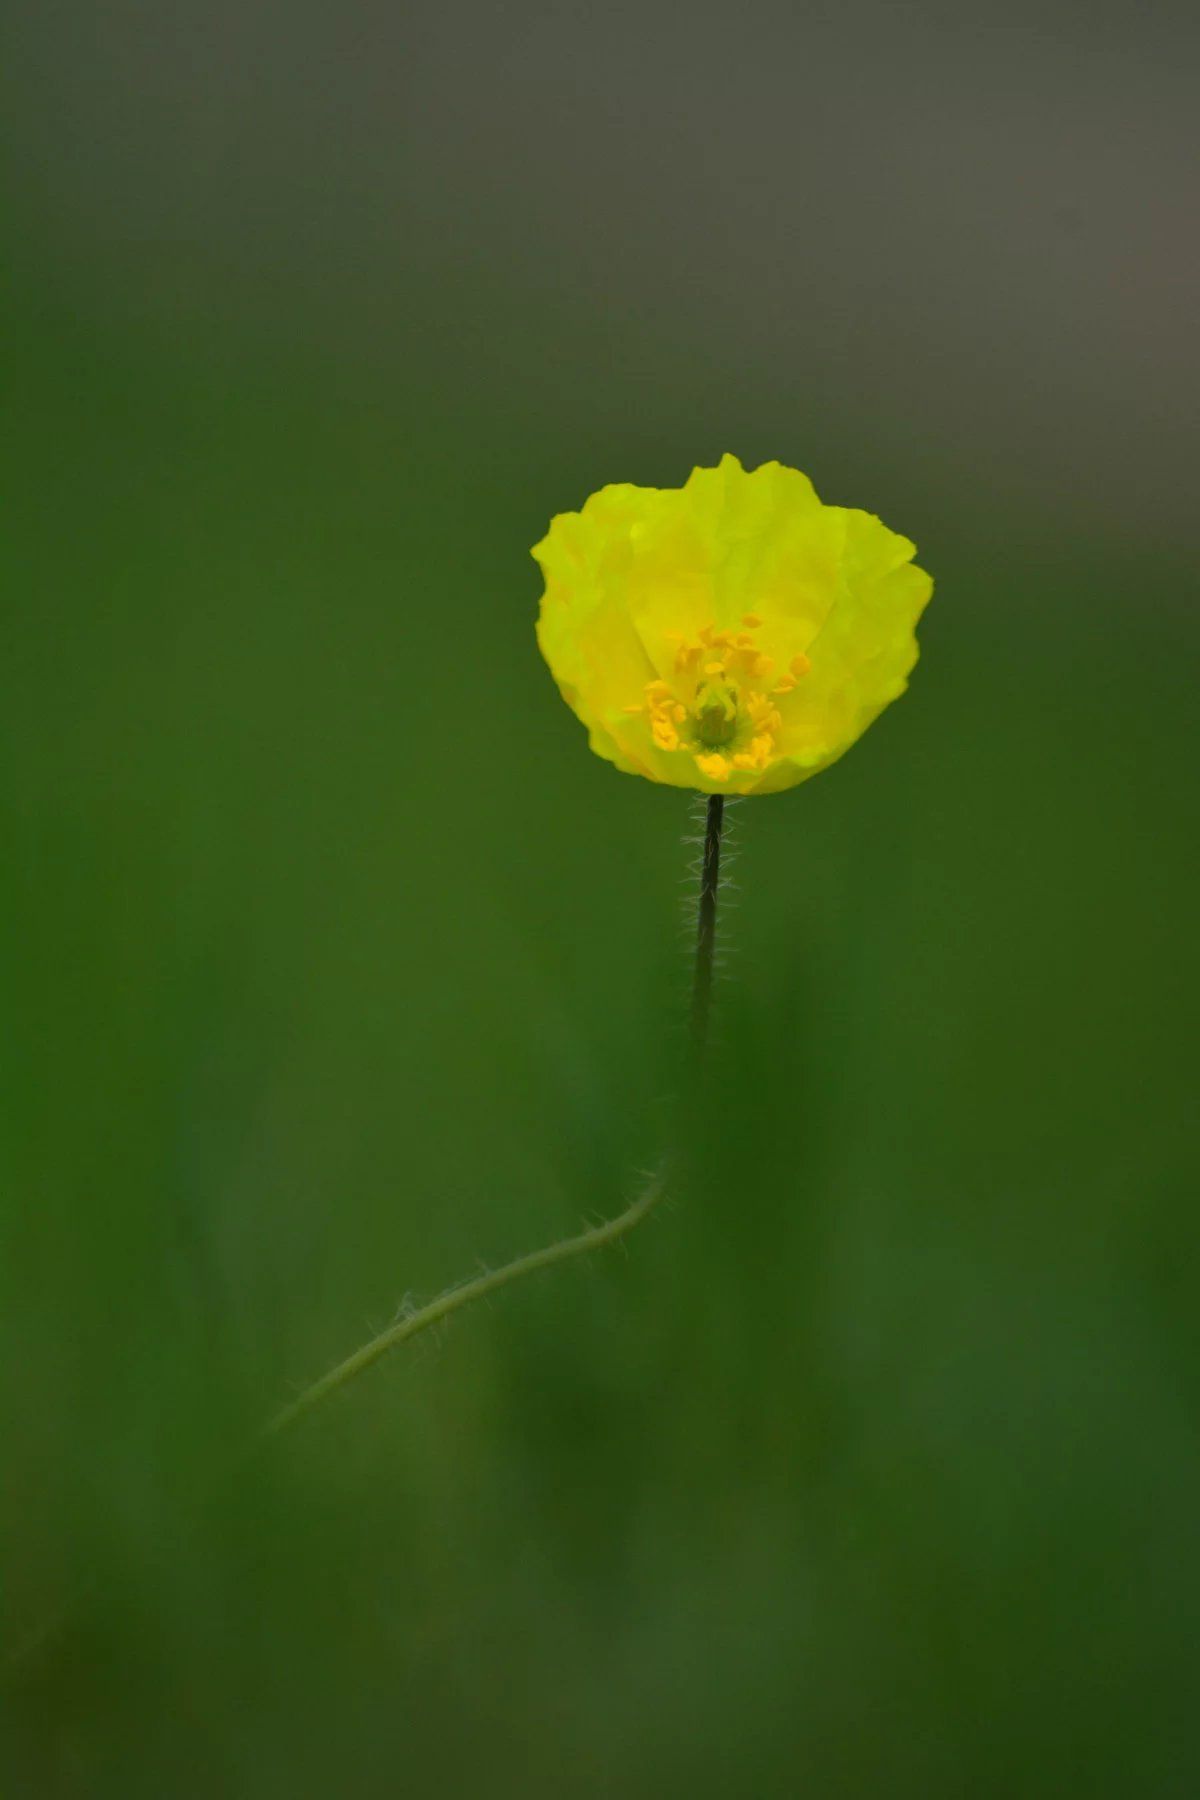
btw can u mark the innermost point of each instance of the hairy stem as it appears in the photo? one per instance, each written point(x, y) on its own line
point(706, 920)
point(596, 1237)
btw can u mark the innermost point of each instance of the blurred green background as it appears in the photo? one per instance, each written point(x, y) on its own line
point(334, 963)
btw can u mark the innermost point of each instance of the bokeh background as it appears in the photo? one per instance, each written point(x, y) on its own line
point(334, 963)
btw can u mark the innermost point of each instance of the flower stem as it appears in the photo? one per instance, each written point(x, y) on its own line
point(706, 920)
point(596, 1237)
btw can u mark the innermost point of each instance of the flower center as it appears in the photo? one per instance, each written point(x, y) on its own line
point(715, 714)
point(720, 709)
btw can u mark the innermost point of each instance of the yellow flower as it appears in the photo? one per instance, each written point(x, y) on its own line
point(733, 635)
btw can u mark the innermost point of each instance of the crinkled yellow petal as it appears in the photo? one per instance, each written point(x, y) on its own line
point(734, 635)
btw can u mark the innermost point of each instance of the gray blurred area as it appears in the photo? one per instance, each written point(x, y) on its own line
point(955, 238)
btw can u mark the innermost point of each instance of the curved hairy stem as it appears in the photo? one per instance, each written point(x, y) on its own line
point(597, 1236)
point(594, 1238)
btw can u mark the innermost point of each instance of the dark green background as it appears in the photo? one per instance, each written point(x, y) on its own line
point(334, 963)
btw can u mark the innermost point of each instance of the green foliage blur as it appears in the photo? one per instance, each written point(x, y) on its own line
point(334, 964)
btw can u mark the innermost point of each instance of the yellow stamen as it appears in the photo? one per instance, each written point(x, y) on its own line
point(722, 709)
point(716, 767)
